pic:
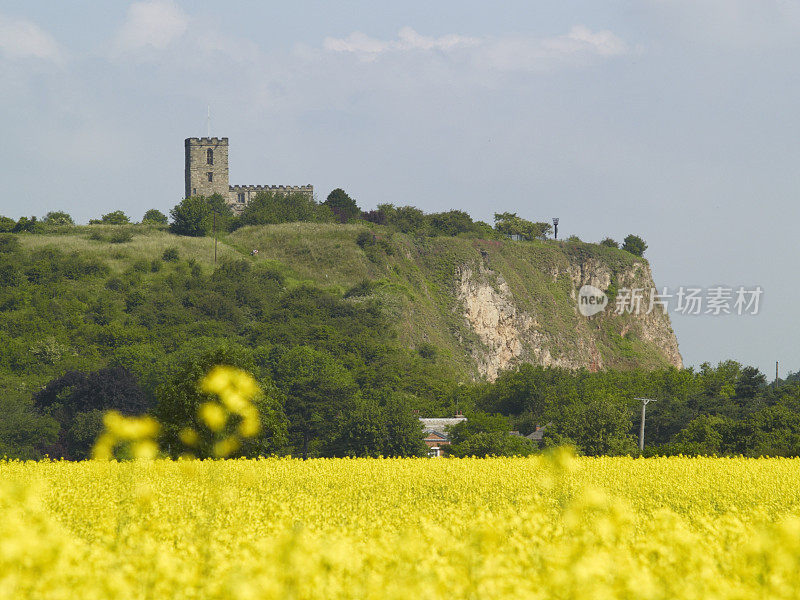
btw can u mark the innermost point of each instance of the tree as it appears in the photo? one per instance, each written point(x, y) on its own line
point(56, 218)
point(751, 381)
point(155, 217)
point(703, 435)
point(510, 224)
point(268, 208)
point(116, 217)
point(343, 206)
point(22, 429)
point(451, 223)
point(27, 225)
point(76, 400)
point(487, 435)
point(369, 428)
point(7, 224)
point(317, 387)
point(196, 216)
point(597, 425)
point(406, 219)
point(179, 399)
point(609, 242)
point(635, 245)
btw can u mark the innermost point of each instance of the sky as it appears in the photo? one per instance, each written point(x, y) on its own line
point(675, 120)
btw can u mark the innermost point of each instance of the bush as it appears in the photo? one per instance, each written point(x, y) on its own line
point(197, 216)
point(343, 206)
point(170, 254)
point(55, 218)
point(510, 224)
point(635, 245)
point(113, 218)
point(268, 208)
point(8, 244)
point(120, 236)
point(609, 242)
point(364, 288)
point(27, 225)
point(154, 217)
point(364, 239)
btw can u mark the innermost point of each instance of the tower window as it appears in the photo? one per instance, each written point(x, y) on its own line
point(241, 197)
point(210, 176)
point(210, 157)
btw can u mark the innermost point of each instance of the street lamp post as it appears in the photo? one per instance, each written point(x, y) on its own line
point(645, 402)
point(555, 228)
point(214, 226)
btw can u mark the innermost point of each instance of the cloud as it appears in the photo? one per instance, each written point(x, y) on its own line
point(578, 47)
point(152, 24)
point(407, 40)
point(580, 39)
point(20, 38)
point(505, 53)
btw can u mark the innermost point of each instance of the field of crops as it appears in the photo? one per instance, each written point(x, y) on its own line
point(544, 527)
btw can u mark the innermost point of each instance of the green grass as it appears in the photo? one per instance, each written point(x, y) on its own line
point(414, 278)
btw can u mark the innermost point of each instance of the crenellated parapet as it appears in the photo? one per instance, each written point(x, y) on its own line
point(206, 141)
point(272, 188)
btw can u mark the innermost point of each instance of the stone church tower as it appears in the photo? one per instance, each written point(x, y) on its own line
point(206, 166)
point(207, 174)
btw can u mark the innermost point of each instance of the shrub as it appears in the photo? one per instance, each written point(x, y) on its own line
point(58, 217)
point(364, 239)
point(635, 245)
point(197, 216)
point(364, 288)
point(113, 218)
point(170, 254)
point(269, 207)
point(8, 244)
point(120, 236)
point(609, 242)
point(343, 206)
point(27, 225)
point(154, 217)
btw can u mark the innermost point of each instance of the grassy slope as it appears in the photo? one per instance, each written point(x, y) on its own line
point(415, 278)
point(417, 282)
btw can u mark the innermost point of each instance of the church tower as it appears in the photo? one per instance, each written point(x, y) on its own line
point(206, 166)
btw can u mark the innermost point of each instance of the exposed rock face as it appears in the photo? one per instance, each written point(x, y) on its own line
point(510, 334)
point(494, 317)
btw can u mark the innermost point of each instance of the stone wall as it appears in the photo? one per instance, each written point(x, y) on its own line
point(240, 195)
point(198, 168)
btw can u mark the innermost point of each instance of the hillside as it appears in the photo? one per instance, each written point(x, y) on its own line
point(482, 305)
point(487, 305)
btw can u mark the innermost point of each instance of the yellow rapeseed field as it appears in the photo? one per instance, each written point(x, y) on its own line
point(541, 527)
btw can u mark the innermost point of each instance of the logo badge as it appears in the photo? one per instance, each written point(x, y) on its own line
point(591, 300)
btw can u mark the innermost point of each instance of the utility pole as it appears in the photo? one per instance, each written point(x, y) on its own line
point(214, 226)
point(645, 402)
point(776, 374)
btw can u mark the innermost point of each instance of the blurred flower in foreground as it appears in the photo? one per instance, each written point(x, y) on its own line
point(136, 432)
